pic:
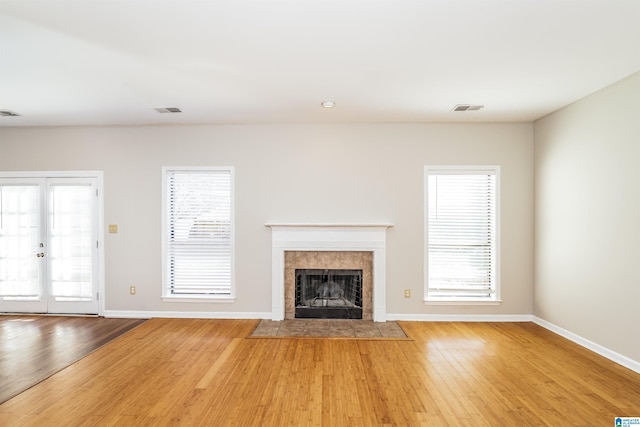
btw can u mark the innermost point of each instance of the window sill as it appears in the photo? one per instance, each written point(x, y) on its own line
point(197, 298)
point(442, 301)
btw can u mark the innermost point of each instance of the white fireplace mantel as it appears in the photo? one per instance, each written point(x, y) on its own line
point(329, 237)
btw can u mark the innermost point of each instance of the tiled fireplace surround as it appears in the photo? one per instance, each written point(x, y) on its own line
point(329, 246)
point(327, 260)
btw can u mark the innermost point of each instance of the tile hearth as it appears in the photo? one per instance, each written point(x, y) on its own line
point(330, 328)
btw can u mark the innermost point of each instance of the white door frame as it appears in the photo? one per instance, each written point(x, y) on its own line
point(99, 176)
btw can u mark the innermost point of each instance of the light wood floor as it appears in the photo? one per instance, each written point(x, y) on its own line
point(206, 372)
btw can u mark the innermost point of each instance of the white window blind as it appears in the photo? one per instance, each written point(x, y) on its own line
point(461, 228)
point(199, 232)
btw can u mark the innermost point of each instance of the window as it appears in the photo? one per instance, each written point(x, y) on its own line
point(198, 233)
point(462, 234)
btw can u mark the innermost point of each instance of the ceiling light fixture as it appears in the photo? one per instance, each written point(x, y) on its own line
point(328, 104)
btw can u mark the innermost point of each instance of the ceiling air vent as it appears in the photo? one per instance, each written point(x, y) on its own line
point(467, 107)
point(8, 113)
point(168, 110)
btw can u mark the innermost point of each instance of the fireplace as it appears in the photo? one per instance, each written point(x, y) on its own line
point(328, 294)
point(329, 247)
point(329, 271)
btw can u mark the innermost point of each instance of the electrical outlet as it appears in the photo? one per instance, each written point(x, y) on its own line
point(407, 293)
point(113, 228)
point(132, 290)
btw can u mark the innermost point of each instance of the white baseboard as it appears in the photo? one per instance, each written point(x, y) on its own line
point(625, 361)
point(186, 314)
point(267, 315)
point(461, 317)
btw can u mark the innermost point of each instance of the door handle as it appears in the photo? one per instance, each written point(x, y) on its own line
point(41, 254)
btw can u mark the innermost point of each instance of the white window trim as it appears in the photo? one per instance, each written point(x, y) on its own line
point(456, 170)
point(166, 297)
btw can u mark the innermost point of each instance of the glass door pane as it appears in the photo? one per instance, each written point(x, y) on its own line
point(21, 255)
point(72, 237)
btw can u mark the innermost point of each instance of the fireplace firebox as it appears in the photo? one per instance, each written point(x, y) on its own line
point(328, 294)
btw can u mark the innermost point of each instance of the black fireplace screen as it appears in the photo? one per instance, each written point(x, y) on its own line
point(328, 294)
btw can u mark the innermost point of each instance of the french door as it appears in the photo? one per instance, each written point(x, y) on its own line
point(48, 245)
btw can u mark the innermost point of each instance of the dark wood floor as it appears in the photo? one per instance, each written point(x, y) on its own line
point(191, 372)
point(33, 348)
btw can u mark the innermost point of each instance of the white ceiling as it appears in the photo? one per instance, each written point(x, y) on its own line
point(101, 62)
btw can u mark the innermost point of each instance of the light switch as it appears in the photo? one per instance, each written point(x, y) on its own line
point(113, 228)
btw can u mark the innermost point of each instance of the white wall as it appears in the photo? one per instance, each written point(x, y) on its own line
point(587, 269)
point(297, 173)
